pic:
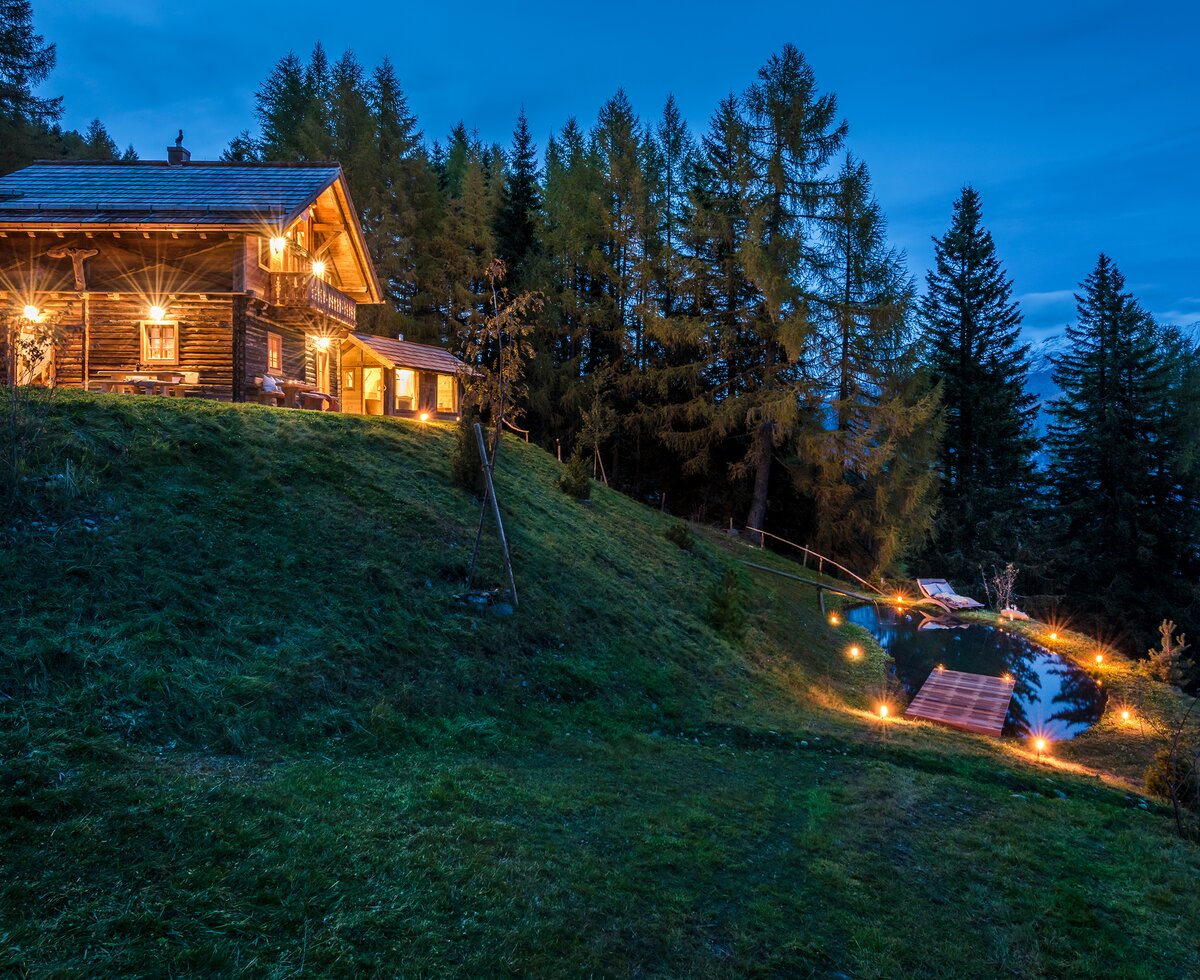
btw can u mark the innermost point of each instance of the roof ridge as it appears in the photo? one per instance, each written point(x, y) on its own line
point(191, 165)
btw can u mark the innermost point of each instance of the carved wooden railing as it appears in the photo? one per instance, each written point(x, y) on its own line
point(305, 290)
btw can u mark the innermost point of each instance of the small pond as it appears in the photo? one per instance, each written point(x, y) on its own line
point(1053, 697)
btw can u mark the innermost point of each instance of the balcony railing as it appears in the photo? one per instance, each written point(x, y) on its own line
point(304, 290)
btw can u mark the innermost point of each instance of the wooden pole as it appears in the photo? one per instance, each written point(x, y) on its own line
point(491, 492)
point(87, 339)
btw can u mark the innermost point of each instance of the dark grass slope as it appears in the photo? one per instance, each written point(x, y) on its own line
point(246, 730)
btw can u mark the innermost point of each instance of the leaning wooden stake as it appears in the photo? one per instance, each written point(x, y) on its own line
point(491, 493)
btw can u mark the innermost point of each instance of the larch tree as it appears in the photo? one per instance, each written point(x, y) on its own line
point(976, 355)
point(865, 451)
point(794, 132)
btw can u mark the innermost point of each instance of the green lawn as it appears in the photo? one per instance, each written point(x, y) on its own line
point(248, 730)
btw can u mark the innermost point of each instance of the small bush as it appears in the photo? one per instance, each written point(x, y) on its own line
point(465, 467)
point(681, 535)
point(729, 605)
point(1174, 779)
point(574, 481)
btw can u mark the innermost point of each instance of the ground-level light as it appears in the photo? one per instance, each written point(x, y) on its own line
point(1125, 715)
point(1054, 636)
point(854, 652)
point(424, 416)
point(834, 619)
point(1099, 659)
point(883, 711)
point(1039, 745)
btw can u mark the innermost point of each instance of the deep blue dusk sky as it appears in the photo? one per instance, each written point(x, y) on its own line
point(1078, 122)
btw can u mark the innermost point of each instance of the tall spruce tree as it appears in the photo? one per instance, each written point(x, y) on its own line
point(975, 353)
point(1120, 474)
point(517, 220)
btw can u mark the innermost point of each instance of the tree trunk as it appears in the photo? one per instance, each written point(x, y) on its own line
point(763, 446)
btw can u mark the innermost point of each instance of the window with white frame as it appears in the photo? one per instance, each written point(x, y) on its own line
point(160, 342)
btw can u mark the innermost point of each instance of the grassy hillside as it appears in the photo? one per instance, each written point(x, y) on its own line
point(246, 728)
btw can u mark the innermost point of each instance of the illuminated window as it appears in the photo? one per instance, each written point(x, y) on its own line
point(447, 389)
point(348, 384)
point(160, 342)
point(406, 389)
point(264, 253)
point(274, 352)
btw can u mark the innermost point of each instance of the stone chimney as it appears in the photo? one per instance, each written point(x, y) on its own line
point(177, 155)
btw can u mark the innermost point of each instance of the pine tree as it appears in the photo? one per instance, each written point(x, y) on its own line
point(280, 103)
point(517, 219)
point(26, 60)
point(401, 212)
point(975, 353)
point(98, 145)
point(1119, 471)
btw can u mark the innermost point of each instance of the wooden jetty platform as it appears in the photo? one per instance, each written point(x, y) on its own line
point(971, 702)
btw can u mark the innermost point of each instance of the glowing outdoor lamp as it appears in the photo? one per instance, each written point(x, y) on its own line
point(31, 312)
point(1125, 716)
point(424, 416)
point(278, 244)
point(318, 268)
point(834, 619)
point(854, 652)
point(1099, 660)
point(157, 313)
point(1054, 636)
point(321, 343)
point(883, 712)
point(1040, 745)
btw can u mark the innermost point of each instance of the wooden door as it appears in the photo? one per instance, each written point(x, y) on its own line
point(322, 369)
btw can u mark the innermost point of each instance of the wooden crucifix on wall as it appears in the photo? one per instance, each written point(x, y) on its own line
point(77, 256)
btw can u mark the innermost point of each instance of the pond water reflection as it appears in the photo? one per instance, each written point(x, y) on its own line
point(1053, 697)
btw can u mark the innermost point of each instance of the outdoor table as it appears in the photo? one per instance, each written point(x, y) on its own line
point(292, 391)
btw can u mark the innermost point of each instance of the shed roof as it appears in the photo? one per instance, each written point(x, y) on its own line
point(404, 353)
point(80, 192)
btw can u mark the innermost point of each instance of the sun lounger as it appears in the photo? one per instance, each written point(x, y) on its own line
point(939, 590)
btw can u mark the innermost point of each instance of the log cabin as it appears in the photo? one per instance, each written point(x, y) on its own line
point(381, 376)
point(212, 275)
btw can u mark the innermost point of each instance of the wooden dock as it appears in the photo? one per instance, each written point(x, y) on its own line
point(971, 702)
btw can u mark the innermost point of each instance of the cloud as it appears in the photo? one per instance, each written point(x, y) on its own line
point(1055, 297)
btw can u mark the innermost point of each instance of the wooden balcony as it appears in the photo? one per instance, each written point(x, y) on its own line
point(300, 289)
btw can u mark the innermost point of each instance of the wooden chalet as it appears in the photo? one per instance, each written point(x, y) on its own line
point(381, 376)
point(201, 279)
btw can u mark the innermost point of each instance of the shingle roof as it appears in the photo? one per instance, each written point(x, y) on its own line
point(156, 193)
point(404, 353)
